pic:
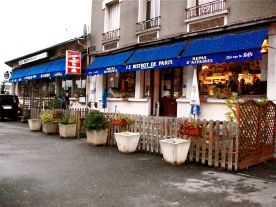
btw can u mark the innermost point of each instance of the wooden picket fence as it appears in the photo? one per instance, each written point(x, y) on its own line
point(216, 147)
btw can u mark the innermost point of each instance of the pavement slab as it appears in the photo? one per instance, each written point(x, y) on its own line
point(38, 170)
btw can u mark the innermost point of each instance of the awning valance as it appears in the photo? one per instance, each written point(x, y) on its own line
point(163, 56)
point(48, 69)
point(234, 47)
point(109, 63)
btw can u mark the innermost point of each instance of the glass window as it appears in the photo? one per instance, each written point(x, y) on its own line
point(147, 90)
point(121, 85)
point(74, 86)
point(224, 80)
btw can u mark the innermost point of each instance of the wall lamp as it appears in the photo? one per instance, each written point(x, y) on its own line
point(265, 46)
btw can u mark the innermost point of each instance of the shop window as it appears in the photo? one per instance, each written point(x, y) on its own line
point(121, 85)
point(224, 80)
point(74, 86)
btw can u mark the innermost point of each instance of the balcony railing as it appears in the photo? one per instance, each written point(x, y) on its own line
point(204, 9)
point(111, 35)
point(148, 24)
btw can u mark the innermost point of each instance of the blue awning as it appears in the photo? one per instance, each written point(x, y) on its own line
point(164, 56)
point(48, 69)
point(17, 75)
point(108, 63)
point(233, 47)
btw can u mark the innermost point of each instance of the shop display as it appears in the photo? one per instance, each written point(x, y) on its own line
point(224, 80)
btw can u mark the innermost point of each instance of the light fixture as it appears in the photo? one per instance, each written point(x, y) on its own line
point(265, 46)
point(204, 67)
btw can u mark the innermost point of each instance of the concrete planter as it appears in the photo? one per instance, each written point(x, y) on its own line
point(34, 124)
point(67, 131)
point(175, 150)
point(127, 142)
point(49, 127)
point(96, 137)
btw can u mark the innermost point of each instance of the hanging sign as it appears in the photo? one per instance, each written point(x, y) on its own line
point(73, 62)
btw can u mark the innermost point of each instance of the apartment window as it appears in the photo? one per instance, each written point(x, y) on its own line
point(148, 15)
point(148, 9)
point(112, 17)
point(196, 8)
point(111, 21)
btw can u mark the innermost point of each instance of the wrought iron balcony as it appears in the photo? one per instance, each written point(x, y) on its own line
point(148, 24)
point(204, 9)
point(111, 35)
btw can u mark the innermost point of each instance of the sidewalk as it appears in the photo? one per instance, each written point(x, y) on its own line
point(38, 170)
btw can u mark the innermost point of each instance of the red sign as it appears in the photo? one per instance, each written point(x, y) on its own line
point(7, 75)
point(73, 62)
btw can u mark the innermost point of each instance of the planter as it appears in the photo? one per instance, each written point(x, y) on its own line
point(127, 142)
point(68, 130)
point(192, 131)
point(175, 150)
point(118, 122)
point(96, 137)
point(34, 124)
point(49, 127)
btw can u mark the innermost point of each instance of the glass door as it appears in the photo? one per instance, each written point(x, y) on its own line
point(170, 90)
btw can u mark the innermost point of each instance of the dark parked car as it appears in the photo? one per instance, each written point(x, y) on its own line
point(9, 107)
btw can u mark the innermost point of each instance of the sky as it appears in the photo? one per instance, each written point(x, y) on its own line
point(30, 25)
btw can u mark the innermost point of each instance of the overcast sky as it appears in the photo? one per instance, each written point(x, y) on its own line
point(31, 25)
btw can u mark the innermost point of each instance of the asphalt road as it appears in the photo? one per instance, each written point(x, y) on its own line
point(38, 170)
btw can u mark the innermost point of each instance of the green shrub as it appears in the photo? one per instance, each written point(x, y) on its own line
point(68, 120)
point(95, 120)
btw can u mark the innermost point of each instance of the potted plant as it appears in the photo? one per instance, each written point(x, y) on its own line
point(96, 128)
point(67, 127)
point(34, 124)
point(175, 150)
point(192, 127)
point(127, 142)
point(49, 121)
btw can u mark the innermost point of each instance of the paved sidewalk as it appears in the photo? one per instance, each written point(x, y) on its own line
point(38, 170)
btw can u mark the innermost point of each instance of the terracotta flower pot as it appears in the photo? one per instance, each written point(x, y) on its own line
point(192, 131)
point(118, 122)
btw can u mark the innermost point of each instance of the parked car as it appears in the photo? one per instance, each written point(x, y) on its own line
point(9, 107)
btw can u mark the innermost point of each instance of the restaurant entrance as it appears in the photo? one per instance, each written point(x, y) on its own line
point(170, 90)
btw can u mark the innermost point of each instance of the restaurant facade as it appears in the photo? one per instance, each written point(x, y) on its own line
point(157, 79)
point(44, 74)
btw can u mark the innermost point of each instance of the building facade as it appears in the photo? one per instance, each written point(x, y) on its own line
point(146, 52)
point(42, 74)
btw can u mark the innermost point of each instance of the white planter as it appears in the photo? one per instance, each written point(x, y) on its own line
point(175, 150)
point(127, 142)
point(96, 137)
point(34, 124)
point(67, 131)
point(49, 127)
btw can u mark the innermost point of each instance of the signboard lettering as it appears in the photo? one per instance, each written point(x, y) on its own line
point(33, 58)
point(73, 62)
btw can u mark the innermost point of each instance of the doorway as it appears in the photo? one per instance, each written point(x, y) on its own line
point(170, 90)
